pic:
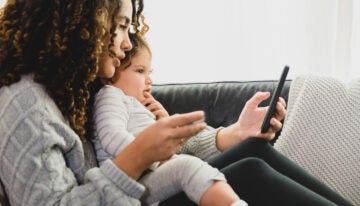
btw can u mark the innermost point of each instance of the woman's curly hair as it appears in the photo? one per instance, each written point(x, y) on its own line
point(59, 41)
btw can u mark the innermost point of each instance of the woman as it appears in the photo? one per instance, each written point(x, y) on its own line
point(49, 54)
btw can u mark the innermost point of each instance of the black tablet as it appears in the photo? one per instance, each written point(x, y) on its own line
point(266, 123)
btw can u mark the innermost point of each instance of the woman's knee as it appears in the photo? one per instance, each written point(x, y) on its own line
point(253, 164)
point(255, 143)
point(251, 147)
point(253, 170)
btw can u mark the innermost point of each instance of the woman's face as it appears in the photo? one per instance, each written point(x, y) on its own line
point(107, 63)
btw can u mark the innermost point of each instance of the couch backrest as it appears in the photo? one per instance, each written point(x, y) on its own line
point(3, 199)
point(221, 101)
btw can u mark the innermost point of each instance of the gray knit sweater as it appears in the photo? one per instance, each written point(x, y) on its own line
point(42, 158)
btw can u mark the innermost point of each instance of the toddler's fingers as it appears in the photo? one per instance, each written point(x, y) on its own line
point(153, 106)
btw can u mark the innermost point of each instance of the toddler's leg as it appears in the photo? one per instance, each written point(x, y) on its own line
point(220, 193)
point(190, 174)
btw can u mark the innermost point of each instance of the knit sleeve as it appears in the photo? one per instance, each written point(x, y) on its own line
point(42, 160)
point(203, 145)
point(110, 120)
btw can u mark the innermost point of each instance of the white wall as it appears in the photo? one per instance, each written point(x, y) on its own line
point(212, 40)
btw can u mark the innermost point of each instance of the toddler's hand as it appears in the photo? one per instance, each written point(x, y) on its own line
point(154, 106)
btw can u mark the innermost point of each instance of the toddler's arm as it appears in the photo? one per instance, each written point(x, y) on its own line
point(110, 120)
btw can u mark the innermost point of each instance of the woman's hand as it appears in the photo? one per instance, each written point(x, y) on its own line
point(154, 106)
point(252, 116)
point(250, 121)
point(159, 142)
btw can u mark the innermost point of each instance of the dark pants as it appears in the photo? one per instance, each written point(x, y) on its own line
point(262, 176)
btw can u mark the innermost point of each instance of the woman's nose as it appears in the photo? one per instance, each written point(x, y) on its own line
point(126, 44)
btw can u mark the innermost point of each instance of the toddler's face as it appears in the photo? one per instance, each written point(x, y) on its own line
point(135, 80)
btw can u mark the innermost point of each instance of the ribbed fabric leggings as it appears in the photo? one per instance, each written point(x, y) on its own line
point(262, 176)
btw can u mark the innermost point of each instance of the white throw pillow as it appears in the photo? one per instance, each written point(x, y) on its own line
point(322, 132)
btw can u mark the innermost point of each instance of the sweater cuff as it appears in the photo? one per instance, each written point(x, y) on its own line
point(207, 143)
point(203, 145)
point(126, 184)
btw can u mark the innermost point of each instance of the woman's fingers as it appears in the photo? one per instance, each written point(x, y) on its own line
point(280, 109)
point(184, 126)
point(255, 100)
point(184, 132)
point(167, 135)
point(179, 120)
point(276, 124)
point(282, 101)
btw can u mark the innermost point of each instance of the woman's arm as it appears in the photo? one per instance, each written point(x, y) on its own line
point(210, 142)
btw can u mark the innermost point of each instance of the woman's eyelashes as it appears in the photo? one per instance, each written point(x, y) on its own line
point(124, 27)
point(123, 24)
